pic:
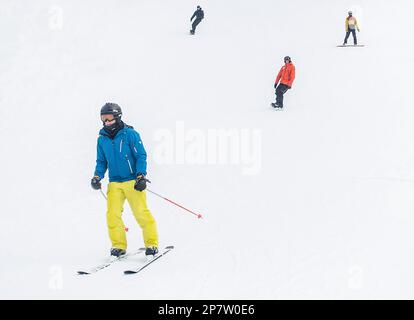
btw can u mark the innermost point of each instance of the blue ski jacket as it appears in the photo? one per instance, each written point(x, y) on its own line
point(123, 156)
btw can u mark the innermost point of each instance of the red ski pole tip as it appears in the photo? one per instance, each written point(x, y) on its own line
point(126, 229)
point(199, 216)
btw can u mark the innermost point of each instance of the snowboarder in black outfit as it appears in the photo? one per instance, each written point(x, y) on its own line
point(199, 15)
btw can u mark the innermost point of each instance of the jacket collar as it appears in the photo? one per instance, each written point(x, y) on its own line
point(102, 132)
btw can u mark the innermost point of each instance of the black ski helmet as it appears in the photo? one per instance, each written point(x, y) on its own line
point(112, 108)
point(287, 58)
point(198, 8)
point(350, 13)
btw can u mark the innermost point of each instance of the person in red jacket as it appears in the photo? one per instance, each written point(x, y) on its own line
point(286, 76)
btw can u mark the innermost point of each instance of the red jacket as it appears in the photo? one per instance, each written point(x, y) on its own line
point(286, 74)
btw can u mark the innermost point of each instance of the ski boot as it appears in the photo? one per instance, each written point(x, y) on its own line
point(151, 252)
point(116, 252)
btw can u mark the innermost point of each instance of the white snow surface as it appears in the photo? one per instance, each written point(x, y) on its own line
point(328, 214)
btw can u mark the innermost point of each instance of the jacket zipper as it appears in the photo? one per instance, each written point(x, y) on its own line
point(129, 164)
point(113, 146)
point(120, 147)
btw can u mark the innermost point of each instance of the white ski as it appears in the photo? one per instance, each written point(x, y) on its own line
point(156, 257)
point(111, 261)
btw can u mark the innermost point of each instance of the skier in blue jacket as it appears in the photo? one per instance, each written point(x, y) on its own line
point(121, 152)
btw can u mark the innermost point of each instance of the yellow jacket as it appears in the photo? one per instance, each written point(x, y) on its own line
point(353, 21)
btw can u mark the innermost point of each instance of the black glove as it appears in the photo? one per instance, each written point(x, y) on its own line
point(275, 85)
point(96, 183)
point(141, 182)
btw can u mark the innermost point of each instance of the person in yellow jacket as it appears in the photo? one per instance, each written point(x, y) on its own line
point(351, 24)
point(120, 151)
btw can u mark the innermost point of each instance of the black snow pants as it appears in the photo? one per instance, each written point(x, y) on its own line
point(195, 24)
point(280, 91)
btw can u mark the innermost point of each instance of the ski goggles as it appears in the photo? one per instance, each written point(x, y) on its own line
point(107, 118)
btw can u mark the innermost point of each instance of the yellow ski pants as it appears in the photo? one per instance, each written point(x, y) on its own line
point(116, 195)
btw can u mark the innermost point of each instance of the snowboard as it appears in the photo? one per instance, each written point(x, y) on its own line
point(275, 108)
point(351, 45)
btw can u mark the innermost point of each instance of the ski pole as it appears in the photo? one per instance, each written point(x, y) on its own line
point(102, 193)
point(199, 216)
point(126, 228)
